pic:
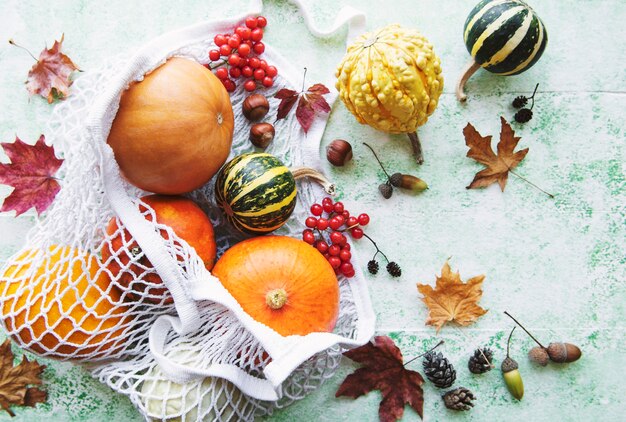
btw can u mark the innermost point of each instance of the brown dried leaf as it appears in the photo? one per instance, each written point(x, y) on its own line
point(498, 166)
point(452, 300)
point(383, 370)
point(14, 380)
point(50, 76)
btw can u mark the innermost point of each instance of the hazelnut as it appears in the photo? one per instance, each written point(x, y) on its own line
point(339, 152)
point(261, 134)
point(255, 107)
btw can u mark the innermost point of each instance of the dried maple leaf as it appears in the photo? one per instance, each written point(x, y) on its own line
point(14, 380)
point(452, 300)
point(498, 166)
point(31, 173)
point(383, 370)
point(50, 76)
point(310, 102)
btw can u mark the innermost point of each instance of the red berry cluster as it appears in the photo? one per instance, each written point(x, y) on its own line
point(326, 229)
point(237, 55)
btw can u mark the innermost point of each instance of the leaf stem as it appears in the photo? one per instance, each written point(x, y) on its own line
point(517, 322)
point(419, 356)
point(23, 48)
point(530, 183)
point(381, 164)
point(508, 342)
point(304, 80)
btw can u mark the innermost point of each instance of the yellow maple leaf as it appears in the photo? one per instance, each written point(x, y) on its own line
point(452, 300)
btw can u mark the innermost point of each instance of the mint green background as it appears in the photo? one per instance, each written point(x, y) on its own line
point(558, 264)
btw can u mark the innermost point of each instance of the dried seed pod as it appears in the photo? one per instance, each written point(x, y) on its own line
point(539, 355)
point(339, 152)
point(255, 107)
point(385, 190)
point(261, 134)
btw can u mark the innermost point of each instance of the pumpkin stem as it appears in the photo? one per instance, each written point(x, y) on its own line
point(471, 68)
point(276, 298)
point(417, 147)
point(301, 172)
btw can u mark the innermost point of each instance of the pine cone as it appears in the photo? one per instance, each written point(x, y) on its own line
point(459, 399)
point(438, 370)
point(394, 269)
point(396, 179)
point(372, 266)
point(478, 364)
point(520, 101)
point(385, 190)
point(523, 115)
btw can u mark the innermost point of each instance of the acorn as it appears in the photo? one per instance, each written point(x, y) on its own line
point(261, 134)
point(339, 152)
point(558, 352)
point(406, 181)
point(255, 107)
point(511, 374)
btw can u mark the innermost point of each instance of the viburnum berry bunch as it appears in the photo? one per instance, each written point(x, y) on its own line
point(238, 56)
point(326, 230)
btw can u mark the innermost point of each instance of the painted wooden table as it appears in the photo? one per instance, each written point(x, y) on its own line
point(559, 264)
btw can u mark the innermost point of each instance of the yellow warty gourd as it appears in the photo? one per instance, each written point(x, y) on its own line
point(391, 80)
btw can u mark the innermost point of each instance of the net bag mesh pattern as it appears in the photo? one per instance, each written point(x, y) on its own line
point(60, 298)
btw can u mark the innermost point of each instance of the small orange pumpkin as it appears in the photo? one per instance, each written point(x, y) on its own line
point(173, 130)
point(283, 283)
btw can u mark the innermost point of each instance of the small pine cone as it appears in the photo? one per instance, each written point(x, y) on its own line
point(459, 399)
point(478, 364)
point(372, 266)
point(520, 101)
point(523, 115)
point(438, 370)
point(394, 269)
point(385, 190)
point(396, 179)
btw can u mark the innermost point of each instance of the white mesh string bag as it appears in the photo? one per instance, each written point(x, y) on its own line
point(193, 353)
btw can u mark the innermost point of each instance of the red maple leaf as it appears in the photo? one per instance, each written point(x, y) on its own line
point(310, 102)
point(31, 173)
point(50, 76)
point(383, 370)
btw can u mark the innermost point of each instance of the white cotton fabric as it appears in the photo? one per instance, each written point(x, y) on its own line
point(200, 357)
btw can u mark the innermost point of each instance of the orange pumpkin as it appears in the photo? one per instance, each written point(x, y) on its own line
point(189, 223)
point(173, 130)
point(283, 283)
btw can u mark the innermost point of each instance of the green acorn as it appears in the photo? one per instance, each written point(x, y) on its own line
point(511, 374)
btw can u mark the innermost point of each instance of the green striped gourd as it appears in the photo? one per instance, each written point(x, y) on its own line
point(257, 192)
point(505, 37)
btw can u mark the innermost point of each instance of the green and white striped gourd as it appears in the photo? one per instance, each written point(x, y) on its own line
point(505, 37)
point(257, 192)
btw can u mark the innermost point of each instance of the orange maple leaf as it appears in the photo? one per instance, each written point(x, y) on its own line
point(498, 166)
point(452, 300)
point(50, 76)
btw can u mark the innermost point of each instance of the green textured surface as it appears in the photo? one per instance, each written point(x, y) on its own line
point(559, 264)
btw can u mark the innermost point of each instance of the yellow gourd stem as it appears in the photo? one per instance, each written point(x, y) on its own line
point(417, 147)
point(301, 172)
point(471, 68)
point(276, 298)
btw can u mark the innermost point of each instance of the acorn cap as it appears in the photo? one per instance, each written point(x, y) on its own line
point(509, 365)
point(539, 355)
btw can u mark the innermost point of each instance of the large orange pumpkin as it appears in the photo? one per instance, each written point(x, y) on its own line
point(173, 130)
point(122, 255)
point(64, 308)
point(283, 283)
